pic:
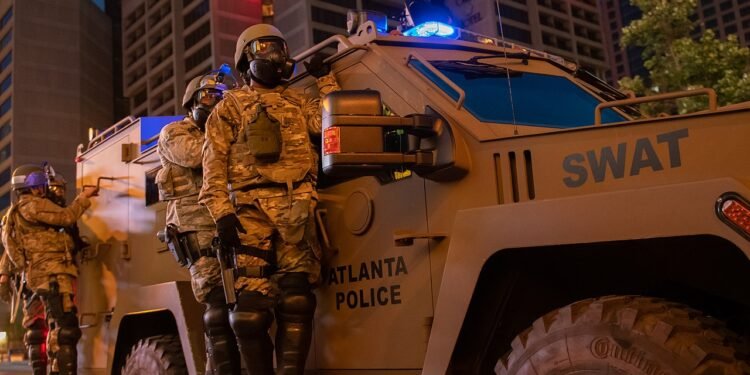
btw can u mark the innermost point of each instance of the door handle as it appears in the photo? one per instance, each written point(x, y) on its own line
point(406, 238)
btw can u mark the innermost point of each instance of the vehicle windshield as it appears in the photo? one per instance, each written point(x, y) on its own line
point(538, 99)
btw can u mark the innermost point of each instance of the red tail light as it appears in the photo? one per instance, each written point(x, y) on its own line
point(735, 212)
point(332, 140)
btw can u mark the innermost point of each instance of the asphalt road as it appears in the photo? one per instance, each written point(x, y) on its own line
point(14, 368)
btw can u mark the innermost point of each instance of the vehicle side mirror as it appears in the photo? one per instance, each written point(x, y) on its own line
point(358, 140)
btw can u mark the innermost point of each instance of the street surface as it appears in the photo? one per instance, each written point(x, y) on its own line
point(14, 368)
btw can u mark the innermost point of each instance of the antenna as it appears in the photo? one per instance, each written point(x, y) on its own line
point(407, 15)
point(507, 71)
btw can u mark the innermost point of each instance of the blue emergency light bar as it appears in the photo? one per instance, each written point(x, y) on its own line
point(432, 28)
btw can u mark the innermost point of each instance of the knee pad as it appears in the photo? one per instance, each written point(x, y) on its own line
point(216, 320)
point(297, 301)
point(35, 335)
point(251, 315)
point(70, 332)
point(68, 335)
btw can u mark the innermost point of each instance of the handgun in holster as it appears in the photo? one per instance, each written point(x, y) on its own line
point(226, 256)
point(179, 248)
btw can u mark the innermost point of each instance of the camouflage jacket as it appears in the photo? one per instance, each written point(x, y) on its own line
point(180, 179)
point(6, 267)
point(228, 164)
point(46, 246)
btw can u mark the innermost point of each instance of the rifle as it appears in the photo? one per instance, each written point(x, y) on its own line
point(225, 256)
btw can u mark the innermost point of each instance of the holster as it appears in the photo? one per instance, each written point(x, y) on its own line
point(183, 246)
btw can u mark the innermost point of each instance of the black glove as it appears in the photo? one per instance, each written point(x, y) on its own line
point(316, 67)
point(227, 228)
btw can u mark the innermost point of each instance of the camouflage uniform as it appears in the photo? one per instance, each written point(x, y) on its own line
point(179, 182)
point(273, 201)
point(46, 256)
point(33, 321)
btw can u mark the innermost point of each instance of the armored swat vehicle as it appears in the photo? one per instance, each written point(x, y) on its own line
point(484, 208)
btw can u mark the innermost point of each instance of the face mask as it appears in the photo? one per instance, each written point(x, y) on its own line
point(269, 62)
point(200, 115)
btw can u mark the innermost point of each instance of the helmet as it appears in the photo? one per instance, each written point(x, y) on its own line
point(56, 190)
point(212, 80)
point(190, 90)
point(254, 32)
point(27, 176)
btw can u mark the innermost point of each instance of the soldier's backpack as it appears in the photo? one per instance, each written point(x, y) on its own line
point(12, 245)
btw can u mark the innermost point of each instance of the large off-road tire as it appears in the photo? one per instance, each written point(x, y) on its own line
point(157, 355)
point(626, 335)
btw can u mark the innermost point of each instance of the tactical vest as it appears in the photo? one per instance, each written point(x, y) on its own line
point(272, 144)
point(175, 181)
point(31, 242)
point(11, 242)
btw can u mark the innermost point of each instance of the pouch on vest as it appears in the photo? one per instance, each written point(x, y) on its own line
point(164, 183)
point(264, 138)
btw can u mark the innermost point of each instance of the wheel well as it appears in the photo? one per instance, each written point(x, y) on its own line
point(136, 326)
point(516, 286)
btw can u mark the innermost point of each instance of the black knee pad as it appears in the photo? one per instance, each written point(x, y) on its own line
point(35, 335)
point(297, 301)
point(251, 315)
point(216, 320)
point(68, 335)
point(70, 332)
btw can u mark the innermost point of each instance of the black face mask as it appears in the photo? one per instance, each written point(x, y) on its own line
point(271, 71)
point(200, 114)
point(57, 197)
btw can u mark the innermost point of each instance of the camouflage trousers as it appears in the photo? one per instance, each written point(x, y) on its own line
point(67, 288)
point(280, 223)
point(33, 310)
point(205, 273)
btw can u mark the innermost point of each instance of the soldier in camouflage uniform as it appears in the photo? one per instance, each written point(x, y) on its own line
point(32, 307)
point(38, 244)
point(179, 181)
point(259, 185)
point(33, 318)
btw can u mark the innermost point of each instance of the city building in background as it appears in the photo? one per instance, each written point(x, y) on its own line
point(308, 22)
point(723, 16)
point(55, 82)
point(168, 42)
point(567, 28)
point(624, 61)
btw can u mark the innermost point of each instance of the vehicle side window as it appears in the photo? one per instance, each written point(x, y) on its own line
point(506, 97)
point(152, 191)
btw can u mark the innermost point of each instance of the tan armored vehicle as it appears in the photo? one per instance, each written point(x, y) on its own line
point(484, 209)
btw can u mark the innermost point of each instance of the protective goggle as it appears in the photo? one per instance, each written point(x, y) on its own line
point(58, 190)
point(208, 97)
point(266, 48)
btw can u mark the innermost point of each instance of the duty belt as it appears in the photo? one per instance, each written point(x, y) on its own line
point(268, 185)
